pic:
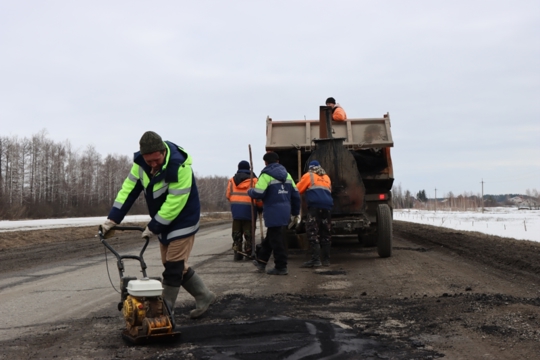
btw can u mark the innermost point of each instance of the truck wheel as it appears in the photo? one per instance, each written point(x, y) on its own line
point(384, 231)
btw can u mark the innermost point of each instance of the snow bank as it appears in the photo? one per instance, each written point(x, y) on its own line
point(501, 221)
point(506, 222)
point(21, 225)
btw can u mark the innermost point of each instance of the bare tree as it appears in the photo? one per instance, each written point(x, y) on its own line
point(397, 197)
point(212, 192)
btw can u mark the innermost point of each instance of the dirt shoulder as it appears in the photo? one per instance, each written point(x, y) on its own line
point(24, 249)
point(515, 256)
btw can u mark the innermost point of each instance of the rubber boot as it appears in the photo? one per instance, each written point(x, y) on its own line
point(170, 293)
point(315, 257)
point(203, 297)
point(325, 254)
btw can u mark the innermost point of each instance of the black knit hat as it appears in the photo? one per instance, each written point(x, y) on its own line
point(271, 157)
point(330, 100)
point(243, 165)
point(151, 142)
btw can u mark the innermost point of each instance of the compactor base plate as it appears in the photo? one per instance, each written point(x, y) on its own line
point(146, 339)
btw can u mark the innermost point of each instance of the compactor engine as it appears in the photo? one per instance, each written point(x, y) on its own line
point(143, 309)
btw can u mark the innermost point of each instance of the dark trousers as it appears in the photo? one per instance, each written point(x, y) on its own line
point(274, 242)
point(319, 226)
point(241, 229)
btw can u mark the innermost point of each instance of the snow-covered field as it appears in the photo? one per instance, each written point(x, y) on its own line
point(21, 225)
point(501, 221)
point(506, 222)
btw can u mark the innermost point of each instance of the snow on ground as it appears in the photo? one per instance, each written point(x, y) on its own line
point(501, 221)
point(21, 225)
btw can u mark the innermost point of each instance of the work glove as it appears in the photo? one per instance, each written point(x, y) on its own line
point(294, 221)
point(107, 229)
point(147, 233)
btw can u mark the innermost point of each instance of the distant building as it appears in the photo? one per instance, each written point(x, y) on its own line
point(524, 203)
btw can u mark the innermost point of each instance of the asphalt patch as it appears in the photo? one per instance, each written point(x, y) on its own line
point(244, 328)
point(331, 272)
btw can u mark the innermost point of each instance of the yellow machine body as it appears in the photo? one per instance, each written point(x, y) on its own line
point(146, 317)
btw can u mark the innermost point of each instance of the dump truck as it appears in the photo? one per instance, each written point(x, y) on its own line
point(355, 154)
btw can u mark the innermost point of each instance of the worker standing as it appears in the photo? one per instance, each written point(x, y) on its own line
point(281, 206)
point(241, 208)
point(163, 171)
point(318, 189)
point(338, 114)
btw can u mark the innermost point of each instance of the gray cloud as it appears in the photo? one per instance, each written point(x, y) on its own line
point(460, 79)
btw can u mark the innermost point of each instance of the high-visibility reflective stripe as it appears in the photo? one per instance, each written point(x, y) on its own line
point(259, 191)
point(183, 231)
point(313, 186)
point(272, 182)
point(141, 174)
point(142, 179)
point(165, 188)
point(244, 195)
point(161, 191)
point(180, 191)
point(161, 220)
point(132, 177)
point(117, 205)
point(318, 187)
point(239, 193)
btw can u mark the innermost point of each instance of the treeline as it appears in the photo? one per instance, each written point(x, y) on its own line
point(43, 179)
point(404, 199)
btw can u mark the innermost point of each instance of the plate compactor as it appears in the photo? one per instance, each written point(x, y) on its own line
point(148, 317)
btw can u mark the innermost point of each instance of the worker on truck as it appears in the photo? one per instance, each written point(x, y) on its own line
point(338, 114)
point(241, 208)
point(317, 187)
point(277, 190)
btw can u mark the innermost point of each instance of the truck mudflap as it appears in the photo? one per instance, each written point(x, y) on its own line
point(343, 226)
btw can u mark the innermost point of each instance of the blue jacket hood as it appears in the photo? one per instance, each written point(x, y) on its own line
point(276, 170)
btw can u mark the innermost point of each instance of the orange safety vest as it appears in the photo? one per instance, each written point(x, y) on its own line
point(311, 181)
point(318, 189)
point(238, 197)
point(339, 114)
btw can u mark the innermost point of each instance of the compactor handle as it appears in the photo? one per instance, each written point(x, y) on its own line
point(122, 257)
point(118, 227)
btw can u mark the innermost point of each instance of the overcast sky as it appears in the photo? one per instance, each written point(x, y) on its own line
point(460, 79)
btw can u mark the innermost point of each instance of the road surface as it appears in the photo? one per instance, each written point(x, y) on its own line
point(443, 294)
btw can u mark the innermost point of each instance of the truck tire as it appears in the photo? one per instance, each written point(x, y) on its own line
point(384, 231)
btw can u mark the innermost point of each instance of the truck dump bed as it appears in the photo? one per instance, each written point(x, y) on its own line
point(357, 133)
point(368, 139)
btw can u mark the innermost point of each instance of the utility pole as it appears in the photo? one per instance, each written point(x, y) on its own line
point(435, 199)
point(482, 182)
